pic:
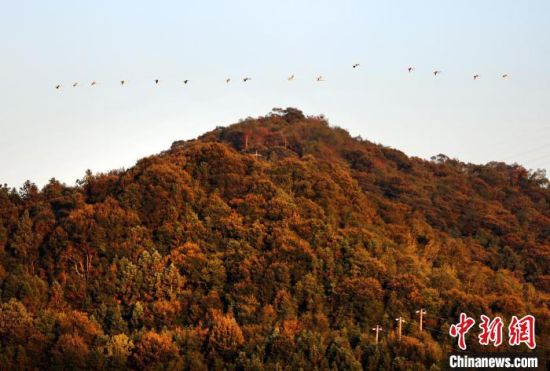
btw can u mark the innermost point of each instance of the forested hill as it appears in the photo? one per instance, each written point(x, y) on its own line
point(274, 243)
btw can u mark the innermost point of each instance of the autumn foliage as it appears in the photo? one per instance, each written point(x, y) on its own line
point(274, 243)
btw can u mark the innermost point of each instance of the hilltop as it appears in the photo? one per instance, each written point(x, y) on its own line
point(278, 241)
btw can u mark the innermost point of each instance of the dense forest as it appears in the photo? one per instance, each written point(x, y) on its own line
point(275, 243)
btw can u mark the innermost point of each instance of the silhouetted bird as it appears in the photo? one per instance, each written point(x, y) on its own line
point(75, 84)
point(228, 80)
point(247, 78)
point(505, 76)
point(58, 87)
point(122, 82)
point(320, 78)
point(476, 77)
point(355, 65)
point(185, 81)
point(290, 78)
point(411, 68)
point(437, 72)
point(157, 81)
point(93, 83)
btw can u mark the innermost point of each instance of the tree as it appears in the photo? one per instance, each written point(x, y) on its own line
point(225, 335)
point(154, 351)
point(23, 244)
point(119, 349)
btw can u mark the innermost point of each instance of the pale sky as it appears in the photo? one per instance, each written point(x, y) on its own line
point(46, 133)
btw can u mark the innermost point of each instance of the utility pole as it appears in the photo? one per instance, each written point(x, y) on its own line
point(377, 329)
point(421, 313)
point(400, 321)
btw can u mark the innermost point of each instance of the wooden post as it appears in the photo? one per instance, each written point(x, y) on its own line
point(400, 321)
point(377, 329)
point(421, 313)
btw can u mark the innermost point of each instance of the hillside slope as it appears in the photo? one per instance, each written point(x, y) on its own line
point(275, 242)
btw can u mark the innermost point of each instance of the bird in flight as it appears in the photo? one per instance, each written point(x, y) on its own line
point(157, 81)
point(355, 65)
point(410, 69)
point(290, 78)
point(185, 81)
point(57, 87)
point(437, 72)
point(476, 77)
point(505, 76)
point(320, 78)
point(122, 82)
point(246, 79)
point(228, 80)
point(75, 84)
point(93, 83)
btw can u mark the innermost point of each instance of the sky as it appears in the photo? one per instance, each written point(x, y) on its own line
point(47, 133)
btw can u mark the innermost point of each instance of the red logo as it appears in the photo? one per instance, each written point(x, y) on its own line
point(461, 329)
point(491, 331)
point(520, 331)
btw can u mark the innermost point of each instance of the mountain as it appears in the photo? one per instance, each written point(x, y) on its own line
point(278, 242)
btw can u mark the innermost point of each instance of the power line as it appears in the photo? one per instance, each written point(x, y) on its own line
point(546, 145)
point(538, 158)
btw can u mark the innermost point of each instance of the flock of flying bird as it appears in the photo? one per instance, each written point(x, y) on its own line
point(290, 78)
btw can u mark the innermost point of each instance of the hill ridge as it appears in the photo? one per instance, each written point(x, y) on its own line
point(257, 243)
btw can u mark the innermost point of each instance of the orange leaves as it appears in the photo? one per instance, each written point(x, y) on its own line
point(166, 311)
point(290, 328)
point(154, 350)
point(225, 334)
point(71, 351)
point(160, 191)
point(79, 323)
point(15, 321)
point(190, 259)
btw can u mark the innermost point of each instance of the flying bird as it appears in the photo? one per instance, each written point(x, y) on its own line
point(290, 78)
point(355, 65)
point(57, 87)
point(157, 81)
point(505, 76)
point(476, 77)
point(185, 81)
point(410, 69)
point(93, 83)
point(228, 80)
point(246, 79)
point(437, 72)
point(122, 82)
point(320, 78)
point(75, 84)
